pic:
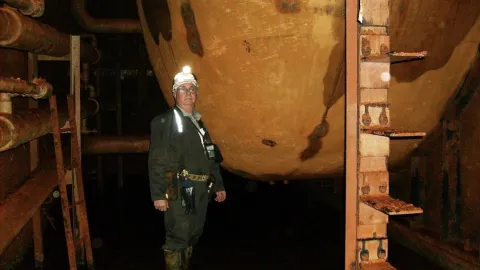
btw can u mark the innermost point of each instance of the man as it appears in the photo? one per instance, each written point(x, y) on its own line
point(183, 170)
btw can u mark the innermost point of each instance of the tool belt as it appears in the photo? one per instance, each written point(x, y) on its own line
point(183, 183)
point(198, 177)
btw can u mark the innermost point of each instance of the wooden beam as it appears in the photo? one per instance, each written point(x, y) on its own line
point(18, 208)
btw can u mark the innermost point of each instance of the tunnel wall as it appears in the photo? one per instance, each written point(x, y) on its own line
point(14, 163)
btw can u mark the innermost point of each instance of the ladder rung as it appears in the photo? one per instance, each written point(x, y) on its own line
point(374, 104)
point(80, 240)
point(76, 204)
point(376, 265)
point(391, 132)
point(389, 205)
point(395, 57)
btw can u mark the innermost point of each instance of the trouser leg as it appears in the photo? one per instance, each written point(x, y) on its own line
point(183, 231)
point(177, 227)
point(198, 220)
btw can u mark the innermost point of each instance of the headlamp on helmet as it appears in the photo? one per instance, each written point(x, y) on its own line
point(186, 76)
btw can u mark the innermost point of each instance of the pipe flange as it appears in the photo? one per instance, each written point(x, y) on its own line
point(46, 89)
point(7, 132)
point(35, 10)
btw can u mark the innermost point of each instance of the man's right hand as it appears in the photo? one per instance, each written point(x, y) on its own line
point(161, 205)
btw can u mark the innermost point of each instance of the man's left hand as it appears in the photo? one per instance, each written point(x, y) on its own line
point(221, 196)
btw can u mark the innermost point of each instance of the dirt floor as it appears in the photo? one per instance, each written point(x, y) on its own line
point(277, 227)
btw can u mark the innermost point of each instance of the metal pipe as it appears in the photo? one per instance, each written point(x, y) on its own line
point(5, 103)
point(22, 127)
point(19, 207)
point(103, 25)
point(37, 89)
point(26, 34)
point(115, 144)
point(34, 8)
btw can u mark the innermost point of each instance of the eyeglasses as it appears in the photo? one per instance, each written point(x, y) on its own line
point(184, 90)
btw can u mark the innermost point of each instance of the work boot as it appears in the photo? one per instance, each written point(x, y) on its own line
point(173, 260)
point(187, 258)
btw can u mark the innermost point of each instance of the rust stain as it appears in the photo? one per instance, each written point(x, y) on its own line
point(366, 49)
point(193, 36)
point(384, 49)
point(269, 143)
point(314, 141)
point(248, 46)
point(287, 6)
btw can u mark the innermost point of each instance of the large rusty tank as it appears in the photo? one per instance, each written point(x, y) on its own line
point(270, 71)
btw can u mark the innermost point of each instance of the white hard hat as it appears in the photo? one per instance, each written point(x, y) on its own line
point(185, 76)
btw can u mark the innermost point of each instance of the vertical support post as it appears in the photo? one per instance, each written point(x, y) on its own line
point(100, 183)
point(75, 90)
point(451, 190)
point(118, 95)
point(351, 137)
point(34, 159)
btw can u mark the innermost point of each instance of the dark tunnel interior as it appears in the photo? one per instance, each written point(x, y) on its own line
point(261, 225)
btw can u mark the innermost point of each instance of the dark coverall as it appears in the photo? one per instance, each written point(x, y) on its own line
point(169, 145)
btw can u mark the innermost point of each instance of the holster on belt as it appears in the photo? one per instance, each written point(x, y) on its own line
point(172, 186)
point(187, 192)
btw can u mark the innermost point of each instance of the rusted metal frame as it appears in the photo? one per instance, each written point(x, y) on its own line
point(34, 159)
point(27, 34)
point(103, 25)
point(62, 183)
point(82, 210)
point(439, 252)
point(452, 200)
point(451, 189)
point(351, 137)
point(75, 91)
point(19, 207)
point(34, 8)
point(38, 88)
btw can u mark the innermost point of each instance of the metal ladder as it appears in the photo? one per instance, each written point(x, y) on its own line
point(369, 132)
point(76, 246)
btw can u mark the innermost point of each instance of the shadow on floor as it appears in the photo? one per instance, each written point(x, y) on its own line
point(277, 227)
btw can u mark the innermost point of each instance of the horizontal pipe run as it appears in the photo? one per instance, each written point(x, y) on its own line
point(23, 33)
point(115, 144)
point(37, 89)
point(34, 8)
point(18, 208)
point(103, 25)
point(22, 127)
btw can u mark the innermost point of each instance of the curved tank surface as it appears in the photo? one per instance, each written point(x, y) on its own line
point(272, 78)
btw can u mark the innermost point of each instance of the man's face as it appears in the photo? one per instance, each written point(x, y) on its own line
point(186, 94)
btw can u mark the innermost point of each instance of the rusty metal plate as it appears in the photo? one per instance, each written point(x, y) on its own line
point(389, 205)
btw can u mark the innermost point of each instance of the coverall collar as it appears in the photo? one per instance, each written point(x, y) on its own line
point(195, 114)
